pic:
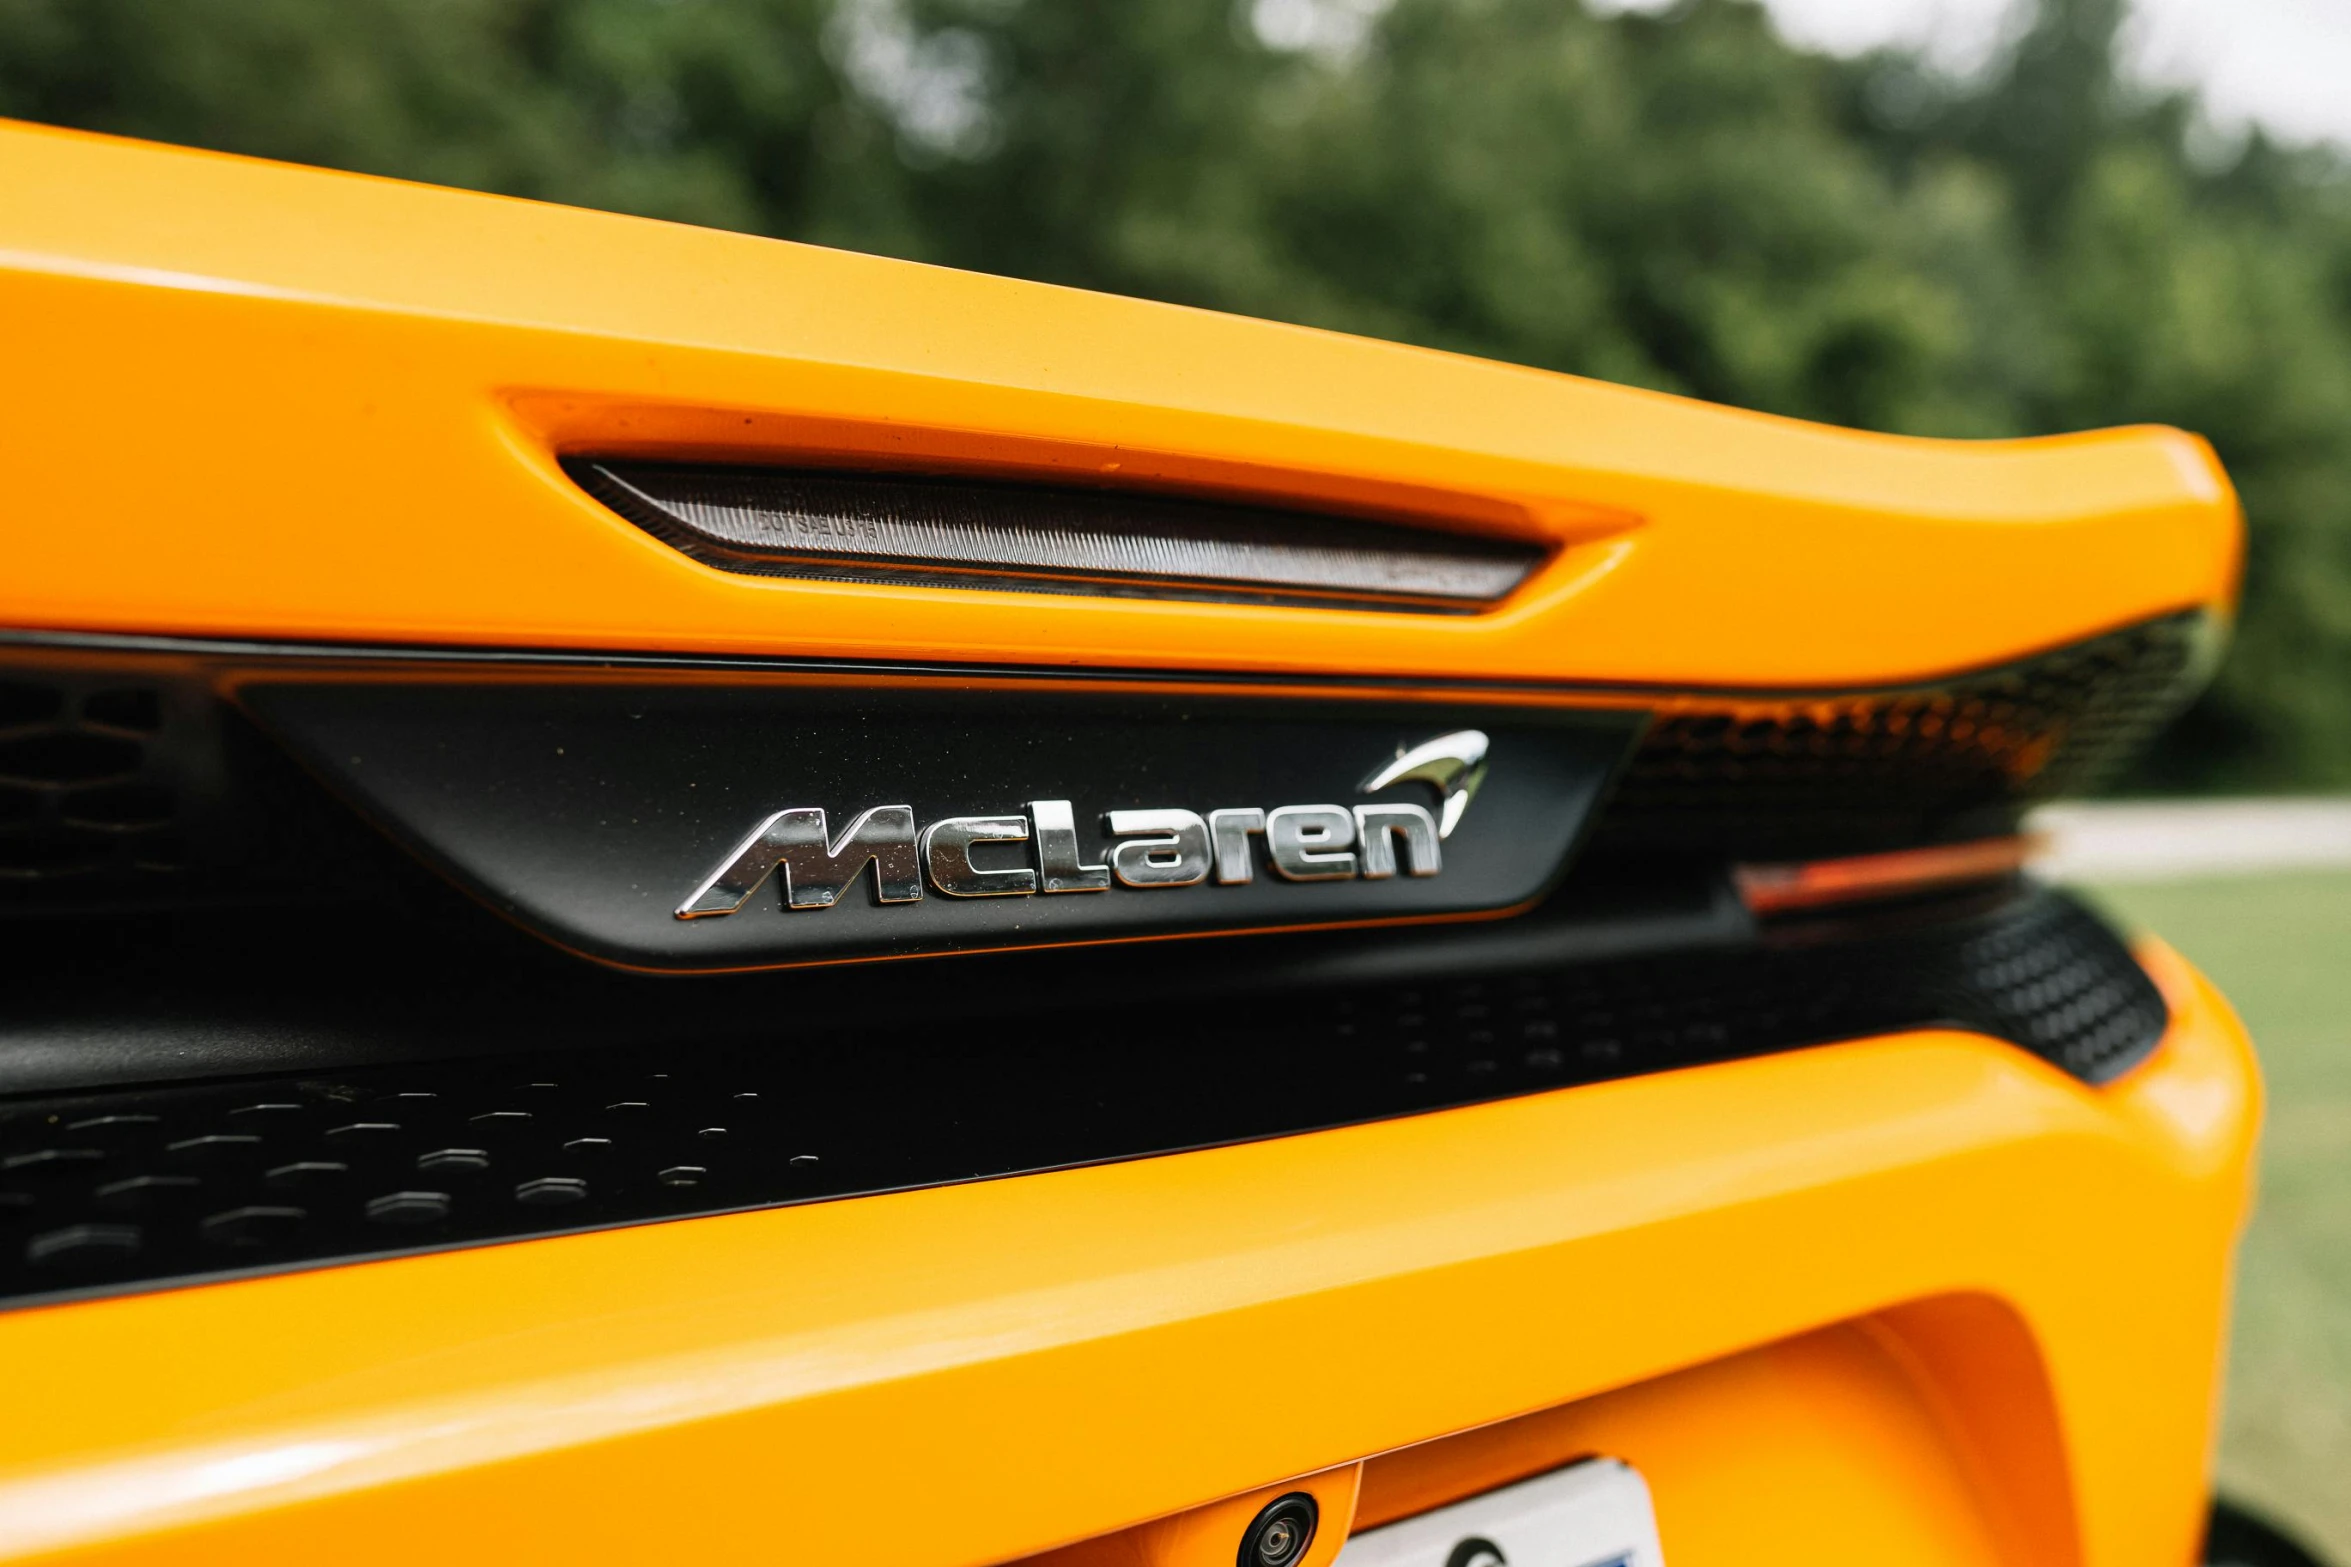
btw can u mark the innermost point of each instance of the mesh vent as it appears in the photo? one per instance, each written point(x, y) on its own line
point(1788, 778)
point(135, 1186)
point(83, 793)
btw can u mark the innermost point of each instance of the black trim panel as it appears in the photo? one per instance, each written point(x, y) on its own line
point(590, 812)
point(1719, 775)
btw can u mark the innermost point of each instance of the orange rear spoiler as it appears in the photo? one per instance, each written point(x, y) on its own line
point(255, 401)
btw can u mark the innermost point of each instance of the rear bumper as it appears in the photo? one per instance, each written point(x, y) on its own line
point(1916, 1289)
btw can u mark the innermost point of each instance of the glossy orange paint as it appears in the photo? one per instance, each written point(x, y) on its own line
point(1832, 1446)
point(1000, 1368)
point(247, 400)
point(1845, 1445)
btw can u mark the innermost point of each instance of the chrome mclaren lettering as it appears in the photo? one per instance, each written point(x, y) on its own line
point(1381, 829)
point(1158, 848)
point(1229, 830)
point(816, 872)
point(1311, 842)
point(946, 854)
point(1148, 849)
point(1059, 866)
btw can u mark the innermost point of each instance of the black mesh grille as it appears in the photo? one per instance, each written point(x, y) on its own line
point(138, 1186)
point(85, 794)
point(2043, 973)
point(1842, 774)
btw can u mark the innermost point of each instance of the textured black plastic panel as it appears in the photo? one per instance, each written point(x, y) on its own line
point(92, 792)
point(953, 533)
point(1846, 773)
point(590, 810)
point(141, 1186)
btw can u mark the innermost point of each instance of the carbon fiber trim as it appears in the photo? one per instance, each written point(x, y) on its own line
point(141, 1187)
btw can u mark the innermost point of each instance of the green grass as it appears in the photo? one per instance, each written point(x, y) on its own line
point(2280, 946)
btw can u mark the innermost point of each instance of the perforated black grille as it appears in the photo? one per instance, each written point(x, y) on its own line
point(119, 1189)
point(2042, 973)
point(83, 793)
point(1842, 774)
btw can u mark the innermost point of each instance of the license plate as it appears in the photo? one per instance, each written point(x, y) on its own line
point(1592, 1514)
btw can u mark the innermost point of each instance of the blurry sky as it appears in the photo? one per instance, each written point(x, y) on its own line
point(2283, 63)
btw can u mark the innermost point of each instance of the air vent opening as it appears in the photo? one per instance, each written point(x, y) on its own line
point(932, 532)
point(83, 793)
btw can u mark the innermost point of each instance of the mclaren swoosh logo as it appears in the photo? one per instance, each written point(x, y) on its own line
point(1453, 765)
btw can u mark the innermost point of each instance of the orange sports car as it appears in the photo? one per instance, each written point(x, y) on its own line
point(672, 897)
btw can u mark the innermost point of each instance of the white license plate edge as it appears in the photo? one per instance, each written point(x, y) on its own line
point(1596, 1513)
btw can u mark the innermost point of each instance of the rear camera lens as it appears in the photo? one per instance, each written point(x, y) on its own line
point(1279, 1535)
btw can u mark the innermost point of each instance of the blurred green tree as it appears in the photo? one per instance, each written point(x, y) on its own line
point(1678, 200)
